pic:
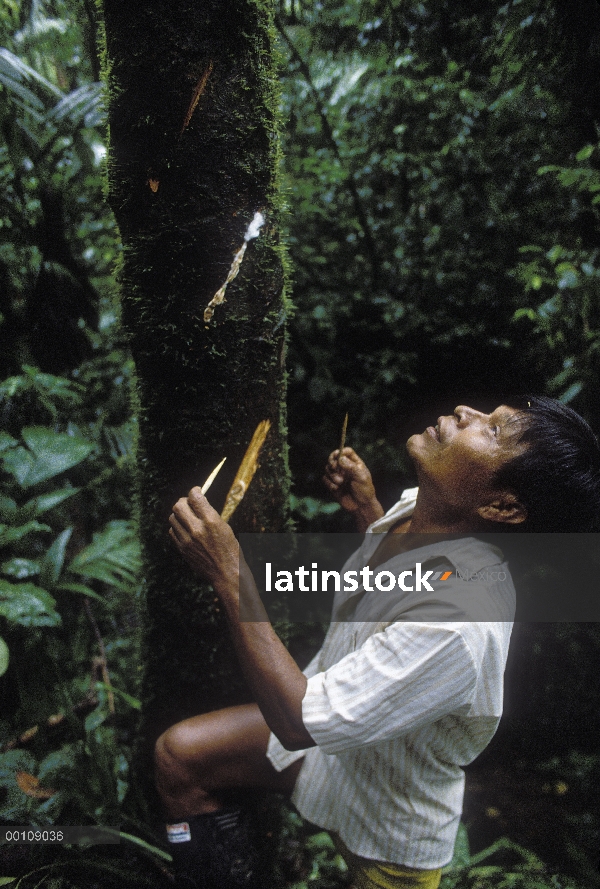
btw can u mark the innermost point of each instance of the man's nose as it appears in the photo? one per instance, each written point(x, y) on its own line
point(466, 415)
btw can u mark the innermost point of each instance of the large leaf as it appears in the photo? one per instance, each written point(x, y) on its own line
point(83, 590)
point(48, 388)
point(37, 505)
point(81, 106)
point(112, 556)
point(6, 441)
point(14, 71)
point(10, 534)
point(58, 765)
point(49, 454)
point(20, 569)
point(53, 561)
point(28, 605)
point(8, 508)
point(17, 462)
point(4, 656)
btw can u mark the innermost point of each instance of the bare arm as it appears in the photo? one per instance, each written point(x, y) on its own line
point(212, 551)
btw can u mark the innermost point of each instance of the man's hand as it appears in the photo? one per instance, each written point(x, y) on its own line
point(209, 546)
point(205, 541)
point(350, 482)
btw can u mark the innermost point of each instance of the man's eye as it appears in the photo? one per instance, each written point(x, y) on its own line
point(496, 430)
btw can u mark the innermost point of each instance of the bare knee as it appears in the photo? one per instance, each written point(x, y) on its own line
point(202, 756)
point(165, 755)
point(172, 759)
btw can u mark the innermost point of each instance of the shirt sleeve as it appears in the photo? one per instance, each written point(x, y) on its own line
point(405, 677)
point(313, 666)
point(278, 756)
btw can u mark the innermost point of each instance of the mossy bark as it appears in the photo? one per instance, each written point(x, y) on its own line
point(185, 180)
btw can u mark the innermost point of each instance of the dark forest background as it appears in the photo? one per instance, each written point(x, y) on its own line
point(441, 167)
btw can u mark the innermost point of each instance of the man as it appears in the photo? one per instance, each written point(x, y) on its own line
point(371, 737)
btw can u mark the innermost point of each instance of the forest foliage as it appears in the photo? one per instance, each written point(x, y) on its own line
point(441, 165)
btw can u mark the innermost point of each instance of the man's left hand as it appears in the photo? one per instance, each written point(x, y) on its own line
point(205, 541)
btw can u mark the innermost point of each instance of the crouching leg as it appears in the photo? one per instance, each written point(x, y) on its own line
point(196, 762)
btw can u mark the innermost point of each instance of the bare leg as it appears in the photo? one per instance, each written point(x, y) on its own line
point(197, 758)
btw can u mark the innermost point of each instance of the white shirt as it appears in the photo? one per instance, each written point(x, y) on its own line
point(400, 700)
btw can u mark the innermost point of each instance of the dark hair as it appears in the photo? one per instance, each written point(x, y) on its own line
point(557, 477)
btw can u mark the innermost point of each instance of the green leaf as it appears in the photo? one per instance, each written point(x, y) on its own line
point(51, 389)
point(10, 535)
point(531, 248)
point(14, 70)
point(28, 605)
point(57, 764)
point(310, 507)
point(7, 441)
point(320, 840)
point(6, 881)
point(555, 253)
point(8, 508)
point(82, 589)
point(82, 105)
point(129, 699)
point(584, 153)
point(524, 313)
point(44, 502)
point(50, 453)
point(95, 719)
point(112, 556)
point(462, 853)
point(20, 569)
point(53, 561)
point(536, 282)
point(130, 838)
point(11, 386)
point(570, 393)
point(568, 275)
point(4, 656)
point(27, 99)
point(17, 462)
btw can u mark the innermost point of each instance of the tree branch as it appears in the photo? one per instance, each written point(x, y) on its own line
point(359, 209)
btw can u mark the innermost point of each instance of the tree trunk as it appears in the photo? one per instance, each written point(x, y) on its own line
point(193, 156)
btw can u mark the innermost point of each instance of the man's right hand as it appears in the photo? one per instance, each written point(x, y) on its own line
point(350, 482)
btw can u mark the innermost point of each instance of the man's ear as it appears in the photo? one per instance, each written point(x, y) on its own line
point(505, 507)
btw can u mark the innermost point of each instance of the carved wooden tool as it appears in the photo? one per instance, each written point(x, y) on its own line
point(343, 438)
point(245, 473)
point(212, 477)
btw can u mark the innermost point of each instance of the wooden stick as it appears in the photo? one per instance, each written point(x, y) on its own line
point(212, 477)
point(245, 473)
point(343, 438)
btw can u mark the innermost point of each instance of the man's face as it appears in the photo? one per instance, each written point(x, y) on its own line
point(458, 458)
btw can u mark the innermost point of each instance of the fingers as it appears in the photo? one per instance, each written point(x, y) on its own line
point(182, 520)
point(194, 521)
point(199, 504)
point(341, 468)
point(332, 485)
point(347, 454)
point(177, 531)
point(192, 508)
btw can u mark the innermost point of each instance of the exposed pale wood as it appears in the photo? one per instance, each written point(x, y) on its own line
point(212, 476)
point(245, 473)
point(343, 437)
